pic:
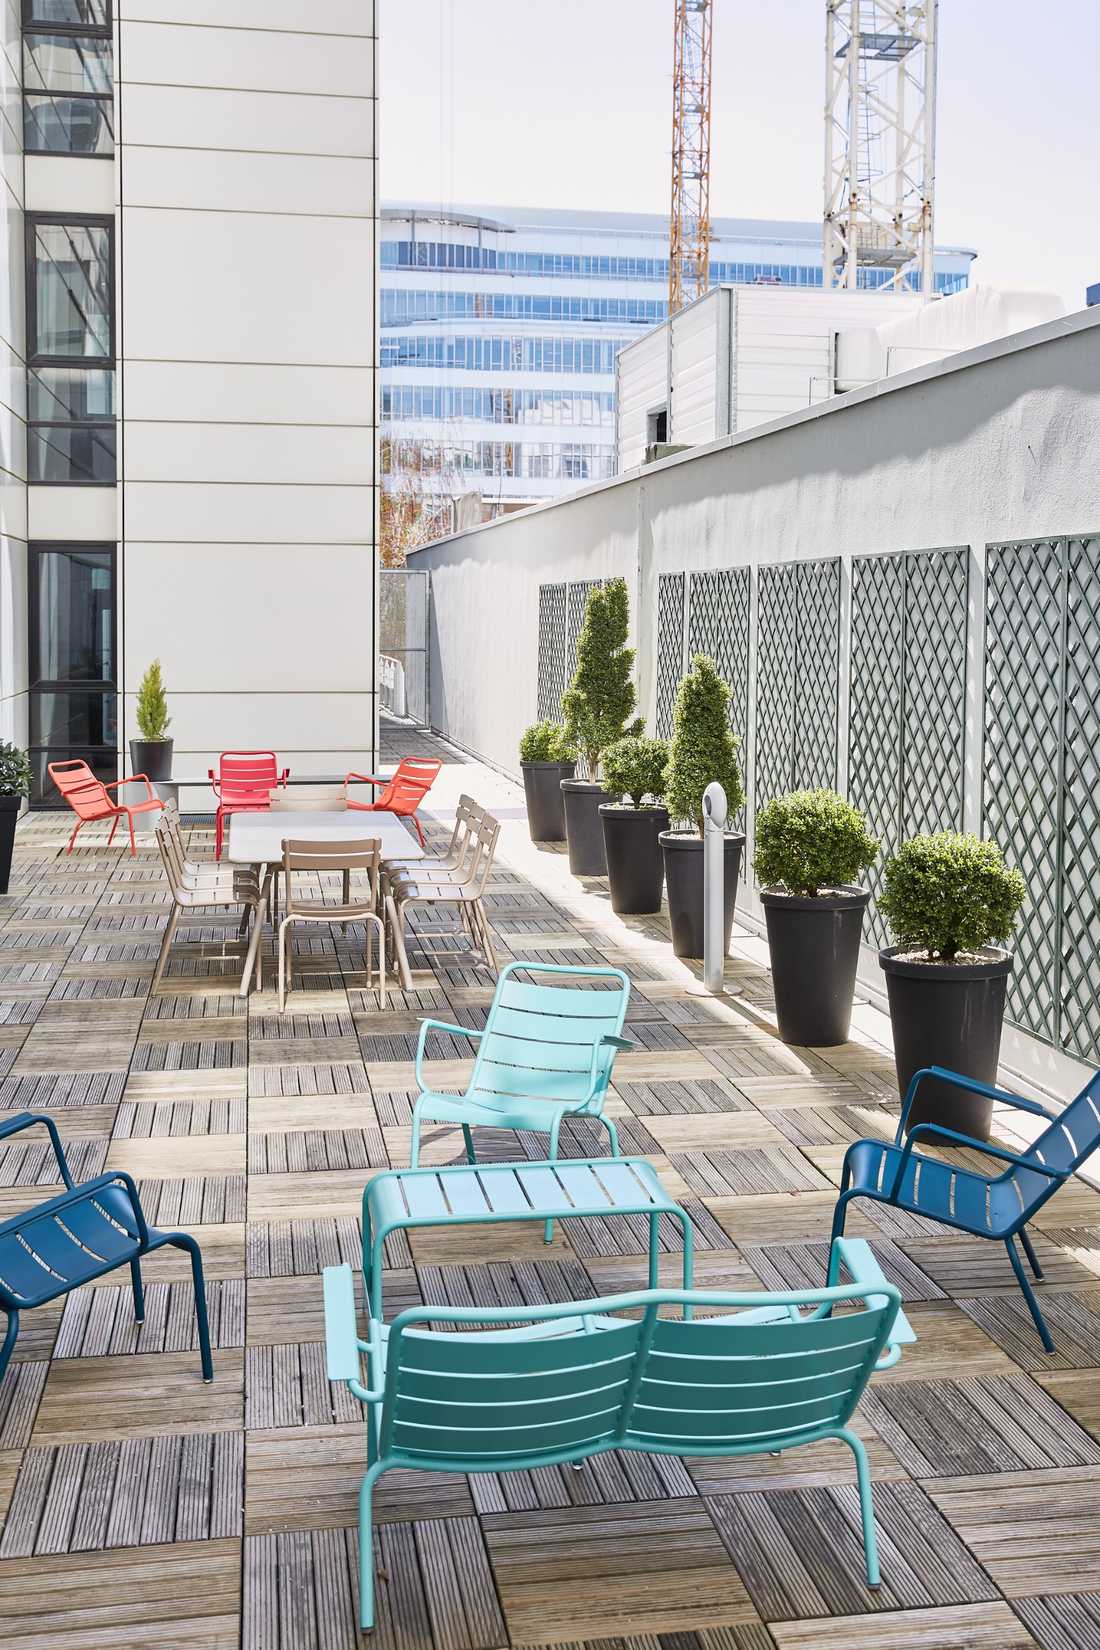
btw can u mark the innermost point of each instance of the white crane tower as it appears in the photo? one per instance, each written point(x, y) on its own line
point(880, 142)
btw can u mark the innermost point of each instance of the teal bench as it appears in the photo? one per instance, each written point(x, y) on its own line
point(566, 1382)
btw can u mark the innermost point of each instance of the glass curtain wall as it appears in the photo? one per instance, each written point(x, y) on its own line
point(67, 77)
point(70, 334)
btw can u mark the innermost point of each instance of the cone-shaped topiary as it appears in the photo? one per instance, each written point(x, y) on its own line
point(703, 748)
point(152, 704)
point(601, 696)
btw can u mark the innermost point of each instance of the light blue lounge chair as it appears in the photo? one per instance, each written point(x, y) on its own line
point(571, 1382)
point(997, 1207)
point(546, 1053)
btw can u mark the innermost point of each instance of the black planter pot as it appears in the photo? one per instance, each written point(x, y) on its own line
point(9, 813)
point(152, 757)
point(635, 865)
point(542, 789)
point(814, 946)
point(583, 831)
point(683, 856)
point(948, 1014)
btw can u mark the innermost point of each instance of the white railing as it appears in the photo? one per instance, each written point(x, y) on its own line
point(391, 673)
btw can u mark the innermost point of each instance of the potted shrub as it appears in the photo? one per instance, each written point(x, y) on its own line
point(810, 847)
point(596, 707)
point(152, 753)
point(947, 899)
point(15, 784)
point(633, 769)
point(545, 759)
point(703, 750)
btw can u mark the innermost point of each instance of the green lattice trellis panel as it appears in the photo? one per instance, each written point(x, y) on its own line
point(907, 700)
point(1079, 1031)
point(1023, 757)
point(797, 677)
point(577, 602)
point(552, 650)
point(718, 625)
point(670, 647)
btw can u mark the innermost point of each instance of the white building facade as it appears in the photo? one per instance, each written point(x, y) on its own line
point(500, 328)
point(189, 396)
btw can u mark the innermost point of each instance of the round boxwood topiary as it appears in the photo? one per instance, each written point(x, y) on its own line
point(634, 767)
point(545, 742)
point(811, 841)
point(703, 747)
point(949, 893)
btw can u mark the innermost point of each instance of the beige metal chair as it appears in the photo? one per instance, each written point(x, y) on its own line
point(452, 861)
point(345, 857)
point(463, 888)
point(196, 883)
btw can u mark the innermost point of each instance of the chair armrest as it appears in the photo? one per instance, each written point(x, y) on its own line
point(342, 1343)
point(26, 1120)
point(619, 1044)
point(857, 1259)
point(133, 779)
point(438, 1025)
point(364, 779)
point(972, 1084)
point(985, 1146)
point(283, 778)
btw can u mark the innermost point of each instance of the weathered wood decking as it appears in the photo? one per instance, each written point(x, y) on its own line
point(140, 1508)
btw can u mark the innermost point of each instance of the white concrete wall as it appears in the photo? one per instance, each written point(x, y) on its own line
point(996, 444)
point(246, 200)
point(13, 390)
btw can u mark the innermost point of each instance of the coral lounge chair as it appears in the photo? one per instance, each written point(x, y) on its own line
point(243, 785)
point(402, 794)
point(89, 798)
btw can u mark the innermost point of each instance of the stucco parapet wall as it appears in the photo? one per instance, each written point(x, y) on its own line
point(1053, 332)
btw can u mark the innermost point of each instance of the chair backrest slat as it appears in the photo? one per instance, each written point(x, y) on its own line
point(410, 783)
point(86, 795)
point(246, 776)
point(1068, 1141)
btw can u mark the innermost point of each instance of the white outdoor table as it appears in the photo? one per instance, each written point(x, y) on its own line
point(257, 839)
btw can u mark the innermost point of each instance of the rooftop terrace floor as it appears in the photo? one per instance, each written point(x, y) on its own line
point(141, 1508)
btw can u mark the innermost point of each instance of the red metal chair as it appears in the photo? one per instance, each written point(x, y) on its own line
point(243, 785)
point(87, 797)
point(403, 793)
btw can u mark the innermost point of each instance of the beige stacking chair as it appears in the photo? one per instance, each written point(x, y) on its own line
point(195, 883)
point(452, 861)
point(463, 888)
point(345, 857)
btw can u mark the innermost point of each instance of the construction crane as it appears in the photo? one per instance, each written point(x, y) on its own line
point(689, 238)
point(880, 136)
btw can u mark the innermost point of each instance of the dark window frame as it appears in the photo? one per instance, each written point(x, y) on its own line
point(42, 25)
point(67, 752)
point(72, 363)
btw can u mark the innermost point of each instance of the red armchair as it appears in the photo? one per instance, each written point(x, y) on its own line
point(90, 800)
point(403, 793)
point(243, 785)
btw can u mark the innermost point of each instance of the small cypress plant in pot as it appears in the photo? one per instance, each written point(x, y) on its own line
point(703, 750)
point(810, 847)
point(15, 784)
point(597, 707)
point(948, 898)
point(633, 769)
point(152, 753)
point(545, 759)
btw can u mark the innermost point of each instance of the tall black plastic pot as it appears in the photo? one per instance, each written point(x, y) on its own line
point(9, 813)
point(542, 790)
point(635, 866)
point(814, 946)
point(948, 1014)
point(683, 856)
point(583, 831)
point(152, 757)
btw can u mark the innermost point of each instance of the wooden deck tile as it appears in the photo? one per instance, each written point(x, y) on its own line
point(966, 1266)
point(137, 1397)
point(601, 1572)
point(1064, 1622)
point(99, 1322)
point(748, 1173)
point(800, 1552)
point(175, 1156)
point(603, 1481)
point(1078, 1391)
point(1073, 1319)
point(805, 1266)
point(308, 1478)
point(990, 1423)
point(290, 1248)
point(20, 1397)
point(1041, 1531)
point(815, 1464)
point(286, 1386)
point(186, 1596)
point(962, 1627)
point(308, 1150)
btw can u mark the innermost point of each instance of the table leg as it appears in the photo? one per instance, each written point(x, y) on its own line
point(254, 943)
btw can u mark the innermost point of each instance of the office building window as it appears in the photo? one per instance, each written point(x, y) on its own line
point(68, 14)
point(67, 94)
point(73, 689)
point(70, 328)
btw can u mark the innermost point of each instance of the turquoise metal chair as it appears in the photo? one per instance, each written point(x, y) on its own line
point(81, 1235)
point(546, 1054)
point(996, 1207)
point(572, 1382)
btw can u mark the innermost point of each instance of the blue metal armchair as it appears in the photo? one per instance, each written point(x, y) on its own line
point(81, 1235)
point(997, 1207)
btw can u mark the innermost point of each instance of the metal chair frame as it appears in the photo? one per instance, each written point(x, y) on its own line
point(194, 884)
point(243, 784)
point(87, 796)
point(463, 887)
point(345, 857)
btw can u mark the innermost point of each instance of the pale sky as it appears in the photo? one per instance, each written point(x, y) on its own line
point(567, 103)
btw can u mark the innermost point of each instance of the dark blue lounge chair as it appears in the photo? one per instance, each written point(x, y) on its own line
point(985, 1206)
point(72, 1239)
